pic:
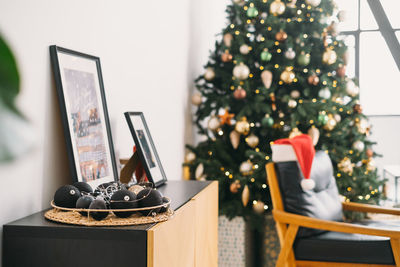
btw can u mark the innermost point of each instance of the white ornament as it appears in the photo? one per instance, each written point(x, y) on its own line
point(197, 99)
point(228, 39)
point(324, 93)
point(266, 78)
point(313, 3)
point(199, 171)
point(258, 206)
point(329, 56)
point(295, 94)
point(209, 74)
point(264, 15)
point(313, 132)
point(252, 140)
point(342, 16)
point(352, 89)
point(363, 126)
point(345, 165)
point(337, 117)
point(277, 7)
point(190, 157)
point(307, 184)
point(241, 71)
point(213, 123)
point(292, 103)
point(244, 49)
point(292, 4)
point(290, 54)
point(358, 145)
point(246, 167)
point(235, 139)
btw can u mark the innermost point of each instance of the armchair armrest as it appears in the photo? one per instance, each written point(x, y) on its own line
point(300, 220)
point(352, 206)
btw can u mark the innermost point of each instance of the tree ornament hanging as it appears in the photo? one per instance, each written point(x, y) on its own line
point(226, 117)
point(303, 59)
point(329, 56)
point(241, 71)
point(265, 55)
point(226, 57)
point(324, 93)
point(190, 157)
point(244, 49)
point(358, 145)
point(273, 99)
point(290, 53)
point(363, 126)
point(197, 99)
point(239, 93)
point(313, 3)
point(330, 124)
point(266, 78)
point(252, 12)
point(292, 103)
point(235, 139)
point(246, 168)
point(371, 165)
point(352, 89)
point(252, 140)
point(313, 132)
point(332, 29)
point(342, 15)
point(213, 123)
point(281, 36)
point(239, 2)
point(277, 8)
point(209, 74)
point(295, 132)
point(337, 118)
point(357, 108)
point(258, 207)
point(242, 126)
point(245, 195)
point(295, 94)
point(235, 186)
point(345, 165)
point(292, 4)
point(228, 37)
point(267, 121)
point(313, 79)
point(322, 118)
point(199, 171)
point(341, 71)
point(287, 76)
point(369, 153)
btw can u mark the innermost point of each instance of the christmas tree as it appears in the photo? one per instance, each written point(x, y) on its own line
point(279, 69)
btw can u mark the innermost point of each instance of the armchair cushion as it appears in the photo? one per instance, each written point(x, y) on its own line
point(342, 247)
point(322, 202)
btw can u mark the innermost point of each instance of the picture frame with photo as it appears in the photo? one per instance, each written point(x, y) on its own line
point(145, 147)
point(83, 107)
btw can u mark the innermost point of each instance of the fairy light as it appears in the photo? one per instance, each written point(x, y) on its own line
point(232, 26)
point(220, 132)
point(227, 173)
point(311, 121)
point(282, 123)
point(248, 21)
point(257, 149)
point(280, 82)
point(245, 7)
point(252, 124)
point(265, 207)
point(266, 157)
point(269, 28)
point(311, 19)
point(339, 175)
point(278, 50)
point(276, 66)
point(261, 67)
point(248, 35)
point(251, 75)
point(230, 176)
point(252, 180)
point(314, 100)
point(264, 186)
point(254, 202)
point(262, 21)
point(256, 166)
point(237, 32)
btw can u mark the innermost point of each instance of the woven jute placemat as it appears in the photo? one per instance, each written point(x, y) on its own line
point(73, 217)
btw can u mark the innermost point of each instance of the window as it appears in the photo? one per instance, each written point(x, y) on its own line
point(374, 52)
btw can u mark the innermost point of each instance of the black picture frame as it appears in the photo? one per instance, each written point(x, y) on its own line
point(87, 132)
point(146, 148)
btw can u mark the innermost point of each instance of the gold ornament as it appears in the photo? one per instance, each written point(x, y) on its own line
point(358, 145)
point(345, 165)
point(371, 166)
point(252, 140)
point(295, 94)
point(287, 76)
point(246, 168)
point(330, 125)
point(258, 206)
point(242, 126)
point(329, 57)
point(352, 89)
point(292, 103)
point(235, 139)
point(313, 132)
point(213, 123)
point(313, 79)
point(295, 132)
point(209, 74)
point(226, 57)
point(235, 186)
point(277, 8)
point(281, 36)
point(190, 157)
point(266, 77)
point(197, 99)
point(241, 71)
point(369, 153)
point(228, 39)
point(363, 126)
point(244, 49)
point(245, 195)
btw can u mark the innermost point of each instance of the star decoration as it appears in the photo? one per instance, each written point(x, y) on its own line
point(226, 118)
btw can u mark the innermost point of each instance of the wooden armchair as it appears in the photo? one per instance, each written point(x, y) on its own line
point(380, 245)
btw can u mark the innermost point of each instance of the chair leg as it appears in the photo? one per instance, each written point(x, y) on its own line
point(286, 249)
point(395, 243)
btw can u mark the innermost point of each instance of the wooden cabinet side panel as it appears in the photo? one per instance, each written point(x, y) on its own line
point(206, 246)
point(172, 243)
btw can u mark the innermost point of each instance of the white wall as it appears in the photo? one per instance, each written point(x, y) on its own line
point(150, 53)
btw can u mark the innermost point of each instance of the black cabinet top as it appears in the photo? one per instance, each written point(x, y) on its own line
point(180, 192)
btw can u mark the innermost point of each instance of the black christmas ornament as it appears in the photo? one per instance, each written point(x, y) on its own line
point(165, 208)
point(66, 196)
point(83, 203)
point(149, 197)
point(101, 205)
point(83, 187)
point(123, 199)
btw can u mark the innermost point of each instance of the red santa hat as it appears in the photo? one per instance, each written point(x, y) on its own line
point(299, 148)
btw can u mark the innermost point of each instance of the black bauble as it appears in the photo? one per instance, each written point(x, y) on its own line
point(83, 187)
point(123, 199)
point(164, 209)
point(101, 205)
point(83, 203)
point(149, 197)
point(66, 196)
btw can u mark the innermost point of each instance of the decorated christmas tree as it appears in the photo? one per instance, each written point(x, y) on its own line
point(279, 69)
